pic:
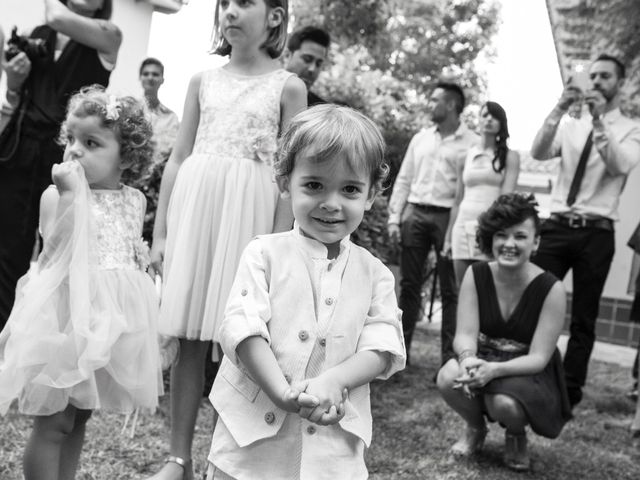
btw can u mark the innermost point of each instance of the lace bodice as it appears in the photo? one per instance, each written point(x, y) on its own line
point(239, 115)
point(118, 216)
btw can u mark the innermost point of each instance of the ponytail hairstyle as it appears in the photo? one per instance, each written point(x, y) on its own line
point(500, 159)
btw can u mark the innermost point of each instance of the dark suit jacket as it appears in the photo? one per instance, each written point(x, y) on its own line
point(313, 99)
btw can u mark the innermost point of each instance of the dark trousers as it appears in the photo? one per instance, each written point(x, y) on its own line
point(22, 182)
point(588, 252)
point(636, 364)
point(423, 228)
point(634, 316)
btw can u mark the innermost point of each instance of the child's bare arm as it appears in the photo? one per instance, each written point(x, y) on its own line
point(261, 363)
point(55, 202)
point(329, 386)
point(48, 208)
point(181, 150)
point(292, 101)
point(359, 369)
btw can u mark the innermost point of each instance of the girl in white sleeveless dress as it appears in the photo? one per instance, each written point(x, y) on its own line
point(490, 169)
point(82, 331)
point(218, 192)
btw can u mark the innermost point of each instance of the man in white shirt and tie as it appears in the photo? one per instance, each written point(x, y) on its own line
point(597, 150)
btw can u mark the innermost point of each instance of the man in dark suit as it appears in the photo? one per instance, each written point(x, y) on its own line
point(305, 55)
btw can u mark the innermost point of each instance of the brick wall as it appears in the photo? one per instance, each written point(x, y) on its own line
point(613, 324)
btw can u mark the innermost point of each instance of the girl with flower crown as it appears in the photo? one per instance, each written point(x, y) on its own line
point(82, 332)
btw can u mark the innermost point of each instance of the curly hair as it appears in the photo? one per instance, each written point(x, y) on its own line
point(508, 210)
point(334, 130)
point(126, 117)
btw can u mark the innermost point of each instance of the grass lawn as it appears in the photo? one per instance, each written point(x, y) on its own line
point(413, 430)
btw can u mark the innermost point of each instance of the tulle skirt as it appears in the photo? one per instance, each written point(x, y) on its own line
point(112, 363)
point(79, 334)
point(218, 205)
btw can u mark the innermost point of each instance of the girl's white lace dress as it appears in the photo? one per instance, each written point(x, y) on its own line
point(224, 195)
point(83, 330)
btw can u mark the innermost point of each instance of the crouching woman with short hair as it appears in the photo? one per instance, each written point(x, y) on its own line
point(510, 313)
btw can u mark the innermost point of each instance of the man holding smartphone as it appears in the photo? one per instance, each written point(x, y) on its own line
point(597, 153)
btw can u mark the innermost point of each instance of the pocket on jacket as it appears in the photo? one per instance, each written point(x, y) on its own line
point(239, 380)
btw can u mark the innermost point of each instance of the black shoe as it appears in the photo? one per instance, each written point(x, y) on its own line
point(633, 394)
point(575, 396)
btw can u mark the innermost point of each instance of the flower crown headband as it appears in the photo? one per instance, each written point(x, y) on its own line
point(111, 109)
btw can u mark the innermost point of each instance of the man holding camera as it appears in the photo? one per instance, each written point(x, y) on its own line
point(76, 47)
point(597, 153)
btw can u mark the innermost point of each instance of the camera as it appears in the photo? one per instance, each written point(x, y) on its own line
point(32, 47)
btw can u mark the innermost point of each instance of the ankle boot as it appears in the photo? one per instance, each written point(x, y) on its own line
point(471, 442)
point(516, 455)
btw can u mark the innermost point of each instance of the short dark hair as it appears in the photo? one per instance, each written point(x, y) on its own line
point(455, 92)
point(308, 33)
point(508, 210)
point(620, 68)
point(151, 61)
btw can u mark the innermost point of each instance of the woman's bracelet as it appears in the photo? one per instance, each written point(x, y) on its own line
point(6, 109)
point(466, 353)
point(12, 97)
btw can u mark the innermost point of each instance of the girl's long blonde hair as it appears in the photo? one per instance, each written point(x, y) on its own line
point(275, 43)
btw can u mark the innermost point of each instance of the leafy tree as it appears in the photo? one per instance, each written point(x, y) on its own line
point(617, 30)
point(588, 28)
point(386, 58)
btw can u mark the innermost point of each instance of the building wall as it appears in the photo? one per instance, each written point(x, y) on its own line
point(132, 16)
point(629, 217)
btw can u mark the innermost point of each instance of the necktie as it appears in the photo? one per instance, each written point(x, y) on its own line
point(582, 166)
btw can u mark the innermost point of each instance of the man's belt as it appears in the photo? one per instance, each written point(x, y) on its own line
point(431, 208)
point(573, 220)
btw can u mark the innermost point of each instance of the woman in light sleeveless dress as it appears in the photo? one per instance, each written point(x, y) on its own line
point(490, 169)
point(217, 193)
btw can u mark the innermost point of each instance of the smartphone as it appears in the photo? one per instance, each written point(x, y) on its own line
point(579, 77)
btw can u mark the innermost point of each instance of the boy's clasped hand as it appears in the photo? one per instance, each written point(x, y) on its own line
point(319, 400)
